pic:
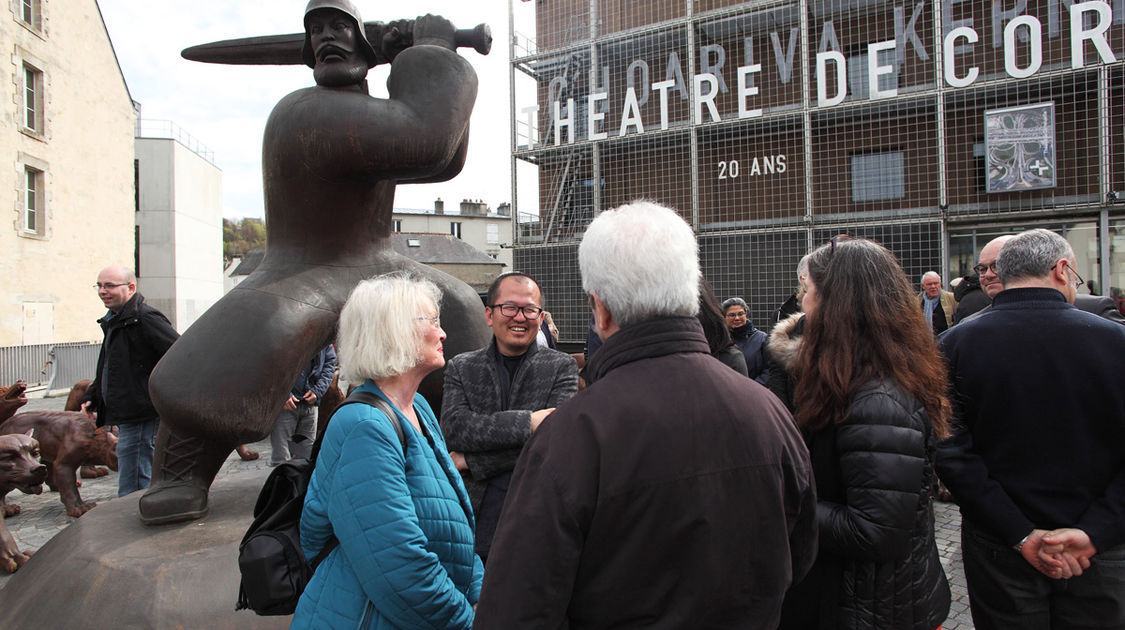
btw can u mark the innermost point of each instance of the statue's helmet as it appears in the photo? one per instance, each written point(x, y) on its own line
point(351, 11)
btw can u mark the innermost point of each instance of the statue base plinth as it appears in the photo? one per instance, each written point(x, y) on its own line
point(108, 570)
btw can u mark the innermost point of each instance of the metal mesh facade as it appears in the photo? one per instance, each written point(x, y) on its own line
point(931, 126)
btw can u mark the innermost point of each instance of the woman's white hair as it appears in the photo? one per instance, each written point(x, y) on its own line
point(380, 335)
point(642, 261)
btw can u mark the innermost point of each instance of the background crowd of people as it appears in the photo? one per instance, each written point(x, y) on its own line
point(675, 491)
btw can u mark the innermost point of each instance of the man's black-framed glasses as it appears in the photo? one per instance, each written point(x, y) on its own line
point(109, 285)
point(980, 269)
point(510, 310)
point(1073, 271)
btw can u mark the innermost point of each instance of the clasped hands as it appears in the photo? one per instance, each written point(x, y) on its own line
point(1059, 554)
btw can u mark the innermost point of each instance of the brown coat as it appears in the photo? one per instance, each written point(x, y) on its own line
point(672, 492)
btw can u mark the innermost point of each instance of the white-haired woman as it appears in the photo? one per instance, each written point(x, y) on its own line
point(405, 526)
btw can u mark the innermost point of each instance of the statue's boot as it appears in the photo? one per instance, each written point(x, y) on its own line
point(183, 468)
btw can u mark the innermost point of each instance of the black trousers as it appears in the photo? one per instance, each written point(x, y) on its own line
point(1007, 593)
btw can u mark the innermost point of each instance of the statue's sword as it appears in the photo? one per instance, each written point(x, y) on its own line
point(285, 50)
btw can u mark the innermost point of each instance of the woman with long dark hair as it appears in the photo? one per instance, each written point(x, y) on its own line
point(870, 400)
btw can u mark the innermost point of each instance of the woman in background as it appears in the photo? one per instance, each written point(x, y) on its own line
point(400, 511)
point(870, 400)
point(750, 340)
point(715, 329)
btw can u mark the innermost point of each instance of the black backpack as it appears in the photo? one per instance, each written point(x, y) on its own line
point(274, 570)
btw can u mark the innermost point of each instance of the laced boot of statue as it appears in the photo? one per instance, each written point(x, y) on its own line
point(183, 468)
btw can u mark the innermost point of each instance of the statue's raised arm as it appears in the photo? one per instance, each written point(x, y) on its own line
point(331, 158)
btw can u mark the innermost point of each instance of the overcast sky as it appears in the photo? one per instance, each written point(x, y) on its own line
point(225, 107)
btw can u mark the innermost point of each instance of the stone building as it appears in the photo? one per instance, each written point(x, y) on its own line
point(66, 179)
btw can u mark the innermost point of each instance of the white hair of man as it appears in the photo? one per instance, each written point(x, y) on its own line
point(379, 333)
point(1031, 254)
point(931, 273)
point(642, 261)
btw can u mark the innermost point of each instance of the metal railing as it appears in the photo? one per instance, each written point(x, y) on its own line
point(55, 365)
point(72, 363)
point(152, 128)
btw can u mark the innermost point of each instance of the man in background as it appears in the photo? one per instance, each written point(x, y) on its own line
point(136, 337)
point(1035, 461)
point(295, 431)
point(938, 305)
point(494, 398)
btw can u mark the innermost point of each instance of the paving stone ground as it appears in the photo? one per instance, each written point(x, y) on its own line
point(43, 516)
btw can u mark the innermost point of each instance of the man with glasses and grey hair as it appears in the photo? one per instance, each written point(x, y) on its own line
point(1035, 461)
point(1103, 306)
point(672, 492)
point(494, 398)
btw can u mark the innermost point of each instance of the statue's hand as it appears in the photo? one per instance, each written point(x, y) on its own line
point(434, 30)
point(396, 38)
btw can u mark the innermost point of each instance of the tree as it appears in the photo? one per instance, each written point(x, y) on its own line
point(241, 236)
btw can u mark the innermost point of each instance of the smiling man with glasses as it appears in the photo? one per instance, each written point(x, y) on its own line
point(1035, 461)
point(497, 396)
point(136, 337)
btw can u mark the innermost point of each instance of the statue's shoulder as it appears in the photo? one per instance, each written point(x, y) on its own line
point(315, 103)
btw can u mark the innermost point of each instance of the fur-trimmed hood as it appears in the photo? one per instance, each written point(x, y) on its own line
point(785, 341)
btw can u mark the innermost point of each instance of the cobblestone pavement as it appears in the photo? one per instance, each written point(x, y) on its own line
point(43, 516)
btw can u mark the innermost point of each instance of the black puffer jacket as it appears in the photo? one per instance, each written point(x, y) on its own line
point(878, 566)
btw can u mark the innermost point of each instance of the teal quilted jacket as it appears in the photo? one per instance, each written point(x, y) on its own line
point(405, 558)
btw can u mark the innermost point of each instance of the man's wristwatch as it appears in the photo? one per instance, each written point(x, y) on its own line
point(1019, 546)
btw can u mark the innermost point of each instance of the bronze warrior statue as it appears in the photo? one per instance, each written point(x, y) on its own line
point(331, 157)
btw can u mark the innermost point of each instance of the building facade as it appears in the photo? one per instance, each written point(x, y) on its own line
point(67, 173)
point(928, 125)
point(474, 222)
point(179, 223)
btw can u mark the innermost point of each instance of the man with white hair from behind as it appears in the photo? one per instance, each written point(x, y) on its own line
point(672, 491)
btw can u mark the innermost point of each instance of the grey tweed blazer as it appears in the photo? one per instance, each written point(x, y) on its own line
point(473, 419)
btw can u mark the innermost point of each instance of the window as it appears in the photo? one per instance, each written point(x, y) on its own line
point(396, 225)
point(455, 228)
point(877, 176)
point(31, 13)
point(493, 234)
point(33, 100)
point(858, 76)
point(33, 211)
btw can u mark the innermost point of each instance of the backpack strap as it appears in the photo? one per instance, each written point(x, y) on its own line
point(367, 398)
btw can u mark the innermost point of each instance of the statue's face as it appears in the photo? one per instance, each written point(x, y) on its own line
point(335, 47)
